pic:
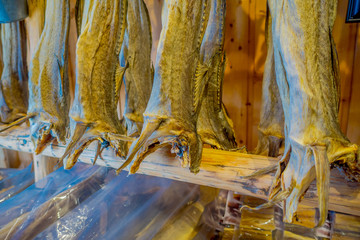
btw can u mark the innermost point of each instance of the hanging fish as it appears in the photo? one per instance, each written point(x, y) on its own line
point(49, 95)
point(171, 114)
point(98, 72)
point(135, 57)
point(213, 125)
point(307, 76)
point(271, 126)
point(14, 79)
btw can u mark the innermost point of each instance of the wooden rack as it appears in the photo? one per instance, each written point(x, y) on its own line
point(220, 169)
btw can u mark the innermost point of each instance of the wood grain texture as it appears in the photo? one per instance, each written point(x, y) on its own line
point(218, 169)
point(345, 39)
point(43, 166)
point(353, 129)
point(246, 51)
point(236, 73)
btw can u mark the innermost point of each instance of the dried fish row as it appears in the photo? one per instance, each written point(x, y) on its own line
point(49, 95)
point(98, 72)
point(171, 114)
point(308, 81)
point(14, 79)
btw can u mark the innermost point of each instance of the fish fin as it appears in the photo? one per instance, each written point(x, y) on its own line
point(201, 75)
point(79, 132)
point(219, 83)
point(322, 169)
point(82, 145)
point(148, 130)
point(17, 122)
point(97, 153)
point(119, 75)
point(144, 153)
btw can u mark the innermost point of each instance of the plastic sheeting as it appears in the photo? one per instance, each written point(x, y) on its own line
point(14, 181)
point(133, 207)
point(35, 207)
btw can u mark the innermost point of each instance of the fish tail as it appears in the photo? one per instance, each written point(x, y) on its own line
point(138, 143)
point(17, 122)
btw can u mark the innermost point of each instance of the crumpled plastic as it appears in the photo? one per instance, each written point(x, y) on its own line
point(14, 181)
point(33, 208)
point(128, 207)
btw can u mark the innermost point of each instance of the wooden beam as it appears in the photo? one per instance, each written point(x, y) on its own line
point(219, 169)
point(4, 163)
point(43, 166)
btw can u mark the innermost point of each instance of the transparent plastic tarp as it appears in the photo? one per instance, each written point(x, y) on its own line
point(14, 181)
point(128, 207)
point(8, 172)
point(45, 201)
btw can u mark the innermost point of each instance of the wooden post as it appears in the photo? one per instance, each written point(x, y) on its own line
point(4, 163)
point(43, 165)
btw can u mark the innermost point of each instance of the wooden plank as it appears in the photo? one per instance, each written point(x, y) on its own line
point(4, 163)
point(219, 169)
point(353, 129)
point(236, 73)
point(72, 50)
point(258, 56)
point(43, 166)
point(345, 39)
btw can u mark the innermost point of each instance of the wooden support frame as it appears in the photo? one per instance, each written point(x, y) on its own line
point(43, 165)
point(219, 169)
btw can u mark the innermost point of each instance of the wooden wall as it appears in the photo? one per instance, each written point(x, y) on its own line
point(246, 53)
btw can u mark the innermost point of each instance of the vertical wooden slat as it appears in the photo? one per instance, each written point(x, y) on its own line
point(43, 166)
point(251, 68)
point(353, 129)
point(4, 163)
point(258, 56)
point(236, 73)
point(72, 49)
point(345, 36)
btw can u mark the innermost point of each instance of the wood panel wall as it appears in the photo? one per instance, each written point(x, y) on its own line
point(246, 53)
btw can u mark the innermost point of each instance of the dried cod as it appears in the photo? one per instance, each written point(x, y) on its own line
point(98, 73)
point(271, 126)
point(14, 79)
point(213, 125)
point(172, 111)
point(135, 57)
point(49, 95)
point(308, 81)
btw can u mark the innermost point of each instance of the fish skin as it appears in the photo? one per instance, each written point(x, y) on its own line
point(213, 125)
point(49, 92)
point(135, 56)
point(169, 117)
point(95, 102)
point(307, 76)
point(83, 9)
point(14, 79)
point(271, 126)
